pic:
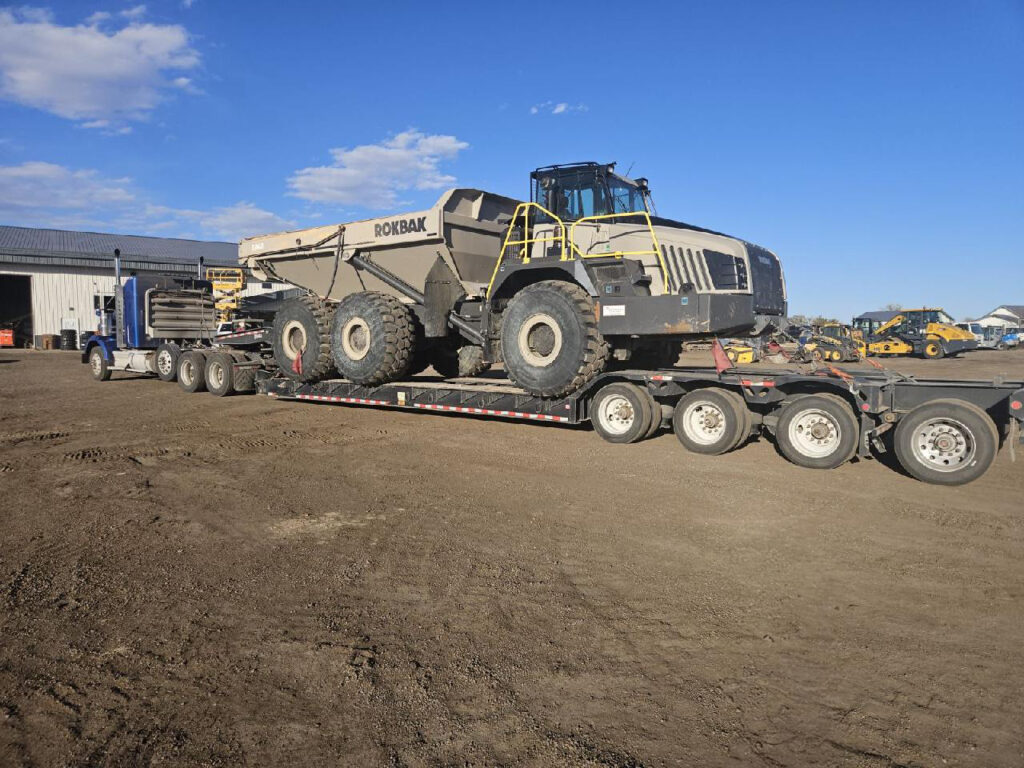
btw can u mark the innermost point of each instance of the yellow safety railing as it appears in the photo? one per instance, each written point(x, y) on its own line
point(522, 209)
point(656, 251)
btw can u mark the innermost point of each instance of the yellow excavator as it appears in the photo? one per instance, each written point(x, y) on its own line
point(926, 332)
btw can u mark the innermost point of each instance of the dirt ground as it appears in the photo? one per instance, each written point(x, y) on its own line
point(186, 580)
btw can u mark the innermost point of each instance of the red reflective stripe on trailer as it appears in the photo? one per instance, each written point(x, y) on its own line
point(660, 377)
point(489, 412)
point(751, 383)
point(333, 399)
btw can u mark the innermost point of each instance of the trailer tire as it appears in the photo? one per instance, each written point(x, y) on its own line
point(98, 364)
point(303, 327)
point(373, 338)
point(656, 416)
point(708, 421)
point(549, 339)
point(621, 413)
point(745, 420)
point(219, 374)
point(817, 431)
point(192, 371)
point(946, 442)
point(455, 363)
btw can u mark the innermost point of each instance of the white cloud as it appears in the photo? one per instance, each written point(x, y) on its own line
point(557, 108)
point(136, 12)
point(87, 73)
point(38, 194)
point(373, 175)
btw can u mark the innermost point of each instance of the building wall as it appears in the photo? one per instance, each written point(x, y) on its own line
point(65, 294)
point(62, 294)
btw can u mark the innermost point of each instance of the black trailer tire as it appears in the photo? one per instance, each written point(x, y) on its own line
point(192, 371)
point(657, 418)
point(98, 364)
point(456, 363)
point(946, 442)
point(302, 328)
point(621, 413)
point(817, 431)
point(707, 421)
point(745, 420)
point(549, 339)
point(373, 338)
point(165, 361)
point(219, 374)
point(244, 377)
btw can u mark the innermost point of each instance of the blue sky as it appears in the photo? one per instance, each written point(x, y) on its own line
point(875, 146)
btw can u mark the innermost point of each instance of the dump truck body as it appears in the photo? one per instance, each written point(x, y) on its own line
point(465, 228)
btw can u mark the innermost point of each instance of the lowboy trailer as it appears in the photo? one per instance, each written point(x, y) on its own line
point(942, 431)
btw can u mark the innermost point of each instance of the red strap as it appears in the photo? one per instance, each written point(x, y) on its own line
point(297, 362)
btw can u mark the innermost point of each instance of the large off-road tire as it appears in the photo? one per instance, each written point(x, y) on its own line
point(549, 339)
point(165, 361)
point(621, 413)
point(373, 338)
point(302, 328)
point(817, 431)
point(220, 374)
point(458, 362)
point(192, 371)
point(98, 365)
point(948, 442)
point(710, 421)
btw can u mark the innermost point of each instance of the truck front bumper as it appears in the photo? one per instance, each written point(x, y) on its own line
point(690, 315)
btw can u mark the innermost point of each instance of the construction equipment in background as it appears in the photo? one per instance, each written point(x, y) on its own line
point(228, 283)
point(928, 332)
point(842, 343)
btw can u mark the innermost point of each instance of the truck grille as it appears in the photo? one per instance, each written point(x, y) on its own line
point(707, 271)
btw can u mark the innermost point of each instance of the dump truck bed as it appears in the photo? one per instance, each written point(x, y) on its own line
point(464, 228)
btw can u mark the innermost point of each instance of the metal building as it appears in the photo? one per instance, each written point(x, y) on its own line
point(53, 280)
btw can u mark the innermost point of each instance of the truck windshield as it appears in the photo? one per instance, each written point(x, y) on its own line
point(626, 197)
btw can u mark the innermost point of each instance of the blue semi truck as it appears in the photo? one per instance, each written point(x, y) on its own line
point(167, 326)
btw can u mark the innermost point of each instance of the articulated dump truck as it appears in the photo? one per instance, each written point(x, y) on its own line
point(581, 277)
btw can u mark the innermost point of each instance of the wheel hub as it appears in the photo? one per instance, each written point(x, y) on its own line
point(617, 414)
point(355, 338)
point(540, 340)
point(814, 433)
point(944, 444)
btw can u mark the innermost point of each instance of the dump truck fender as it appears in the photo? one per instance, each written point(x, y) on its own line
point(511, 280)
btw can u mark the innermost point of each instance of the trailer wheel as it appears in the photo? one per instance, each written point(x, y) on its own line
point(621, 413)
point(817, 431)
point(98, 365)
point(707, 421)
point(301, 329)
point(461, 362)
point(933, 350)
point(244, 380)
point(745, 420)
point(192, 371)
point(166, 361)
point(219, 374)
point(948, 442)
point(656, 416)
point(372, 338)
point(549, 339)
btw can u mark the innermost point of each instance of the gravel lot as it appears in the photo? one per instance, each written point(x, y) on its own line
point(189, 580)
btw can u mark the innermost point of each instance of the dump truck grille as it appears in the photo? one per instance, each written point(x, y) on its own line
point(705, 270)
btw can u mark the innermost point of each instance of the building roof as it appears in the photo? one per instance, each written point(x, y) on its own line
point(1017, 309)
point(93, 249)
point(882, 315)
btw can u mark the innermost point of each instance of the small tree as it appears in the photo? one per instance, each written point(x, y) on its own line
point(893, 307)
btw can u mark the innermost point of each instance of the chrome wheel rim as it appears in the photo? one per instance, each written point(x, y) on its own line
point(815, 433)
point(216, 375)
point(944, 444)
point(164, 363)
point(96, 360)
point(186, 372)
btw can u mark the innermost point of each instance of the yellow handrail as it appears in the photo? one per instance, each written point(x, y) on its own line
point(527, 240)
point(619, 254)
point(571, 253)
